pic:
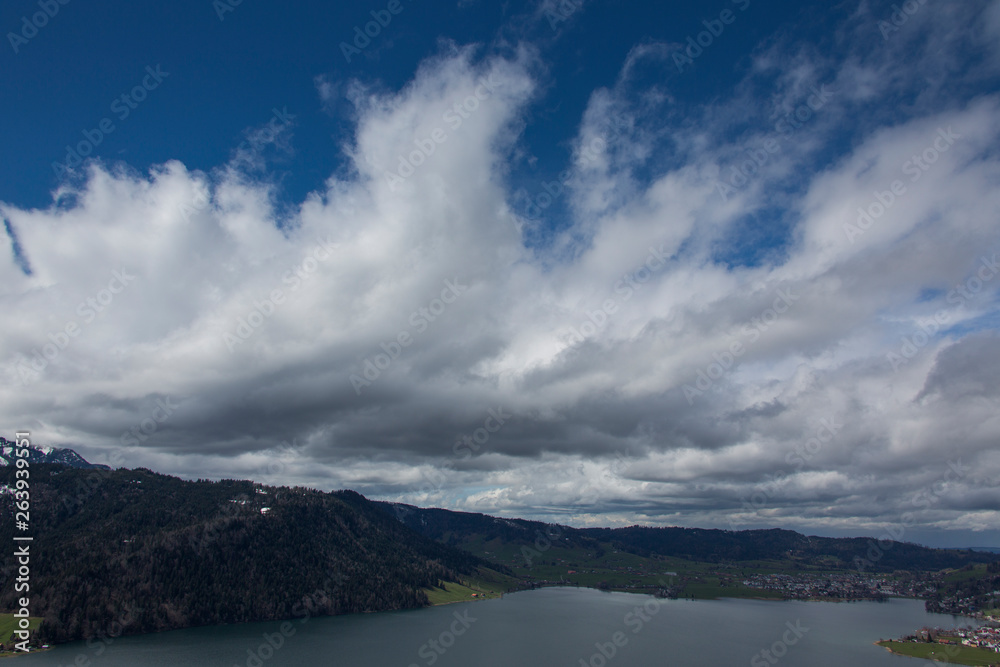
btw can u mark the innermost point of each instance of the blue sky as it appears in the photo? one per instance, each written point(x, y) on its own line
point(672, 242)
point(226, 74)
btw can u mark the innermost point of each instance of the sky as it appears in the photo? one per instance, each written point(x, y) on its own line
point(725, 265)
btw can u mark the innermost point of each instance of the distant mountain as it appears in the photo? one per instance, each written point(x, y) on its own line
point(36, 454)
point(163, 553)
point(151, 552)
point(471, 531)
point(454, 528)
point(777, 544)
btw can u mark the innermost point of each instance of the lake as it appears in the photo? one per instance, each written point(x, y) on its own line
point(546, 627)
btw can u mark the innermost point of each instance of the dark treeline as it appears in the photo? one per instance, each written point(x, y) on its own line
point(776, 544)
point(152, 552)
point(135, 551)
point(705, 545)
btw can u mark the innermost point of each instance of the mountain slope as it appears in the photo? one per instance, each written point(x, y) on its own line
point(168, 553)
point(776, 544)
point(468, 531)
point(456, 528)
point(36, 454)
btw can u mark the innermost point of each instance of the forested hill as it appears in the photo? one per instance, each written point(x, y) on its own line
point(467, 530)
point(143, 552)
point(153, 552)
point(776, 544)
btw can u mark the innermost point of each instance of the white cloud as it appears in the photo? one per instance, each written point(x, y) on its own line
point(601, 425)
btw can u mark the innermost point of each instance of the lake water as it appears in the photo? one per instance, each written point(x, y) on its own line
point(546, 627)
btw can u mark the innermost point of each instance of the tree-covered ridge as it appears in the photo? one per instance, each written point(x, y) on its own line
point(696, 544)
point(858, 553)
point(154, 552)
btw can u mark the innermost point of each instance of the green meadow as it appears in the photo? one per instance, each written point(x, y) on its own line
point(7, 626)
point(961, 655)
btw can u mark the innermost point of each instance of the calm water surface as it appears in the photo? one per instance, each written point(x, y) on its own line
point(547, 627)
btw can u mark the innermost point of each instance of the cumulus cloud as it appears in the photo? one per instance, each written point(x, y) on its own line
point(398, 334)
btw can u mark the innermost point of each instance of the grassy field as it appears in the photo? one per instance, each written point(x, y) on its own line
point(7, 626)
point(618, 570)
point(711, 588)
point(977, 571)
point(961, 655)
point(486, 585)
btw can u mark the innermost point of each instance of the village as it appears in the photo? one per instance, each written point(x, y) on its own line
point(844, 586)
point(986, 637)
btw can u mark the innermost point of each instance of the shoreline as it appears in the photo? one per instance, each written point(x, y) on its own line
point(952, 653)
point(16, 654)
point(497, 597)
